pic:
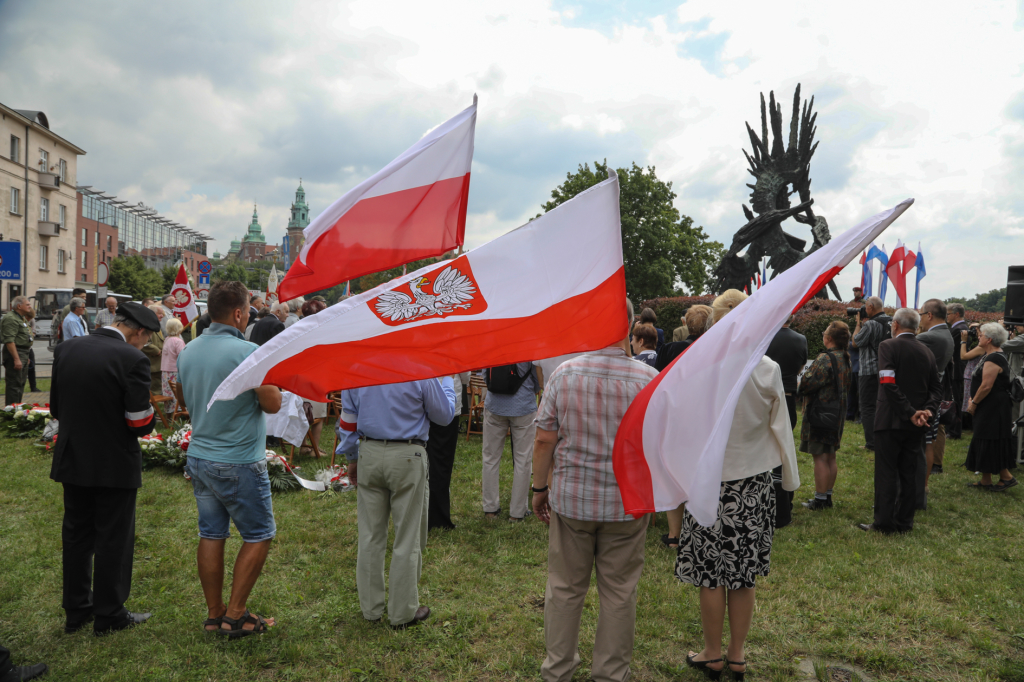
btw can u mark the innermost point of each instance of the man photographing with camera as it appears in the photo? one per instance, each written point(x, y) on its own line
point(872, 328)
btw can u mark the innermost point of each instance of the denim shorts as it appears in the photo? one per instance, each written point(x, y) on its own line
point(232, 492)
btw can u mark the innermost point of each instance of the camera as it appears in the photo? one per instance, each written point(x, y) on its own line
point(972, 333)
point(857, 312)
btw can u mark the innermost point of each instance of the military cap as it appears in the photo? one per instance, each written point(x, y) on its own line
point(141, 314)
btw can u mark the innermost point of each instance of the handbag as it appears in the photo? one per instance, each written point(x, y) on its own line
point(825, 415)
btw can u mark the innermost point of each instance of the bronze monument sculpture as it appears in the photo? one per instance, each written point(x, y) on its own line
point(775, 171)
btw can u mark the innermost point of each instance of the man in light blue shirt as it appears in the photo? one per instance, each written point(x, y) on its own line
point(389, 469)
point(73, 324)
point(227, 461)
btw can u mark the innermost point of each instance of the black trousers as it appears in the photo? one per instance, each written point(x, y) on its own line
point(5, 660)
point(791, 406)
point(955, 430)
point(868, 402)
point(99, 540)
point(853, 398)
point(441, 459)
point(31, 369)
point(897, 455)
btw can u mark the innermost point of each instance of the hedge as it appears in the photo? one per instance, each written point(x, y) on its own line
point(811, 320)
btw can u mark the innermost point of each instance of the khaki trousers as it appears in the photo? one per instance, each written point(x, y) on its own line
point(524, 430)
point(392, 482)
point(575, 548)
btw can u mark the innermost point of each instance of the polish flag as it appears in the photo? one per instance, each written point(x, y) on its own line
point(414, 208)
point(184, 302)
point(553, 286)
point(892, 271)
point(692, 401)
point(909, 261)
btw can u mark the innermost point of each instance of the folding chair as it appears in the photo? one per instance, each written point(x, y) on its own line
point(179, 409)
point(308, 438)
point(475, 395)
point(156, 401)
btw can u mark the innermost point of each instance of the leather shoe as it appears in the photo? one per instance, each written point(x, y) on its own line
point(867, 527)
point(24, 672)
point(71, 628)
point(131, 621)
point(422, 613)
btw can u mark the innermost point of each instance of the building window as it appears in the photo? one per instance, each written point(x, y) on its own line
point(15, 201)
point(63, 215)
point(44, 209)
point(97, 237)
point(63, 170)
point(42, 256)
point(15, 149)
point(85, 237)
point(110, 243)
point(85, 261)
point(44, 160)
point(60, 260)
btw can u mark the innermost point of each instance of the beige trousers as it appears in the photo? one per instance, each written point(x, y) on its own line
point(524, 430)
point(575, 548)
point(392, 482)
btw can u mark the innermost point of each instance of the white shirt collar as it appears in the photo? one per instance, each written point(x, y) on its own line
point(904, 334)
point(116, 330)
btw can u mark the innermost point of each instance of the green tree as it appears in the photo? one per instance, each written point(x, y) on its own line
point(129, 275)
point(662, 250)
point(991, 302)
point(231, 272)
point(169, 274)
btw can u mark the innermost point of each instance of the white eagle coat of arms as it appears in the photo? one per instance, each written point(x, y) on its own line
point(452, 290)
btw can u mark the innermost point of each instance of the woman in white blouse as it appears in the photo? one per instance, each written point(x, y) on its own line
point(725, 560)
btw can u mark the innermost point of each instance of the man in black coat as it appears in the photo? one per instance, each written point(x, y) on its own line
point(271, 325)
point(909, 393)
point(957, 324)
point(100, 397)
point(789, 350)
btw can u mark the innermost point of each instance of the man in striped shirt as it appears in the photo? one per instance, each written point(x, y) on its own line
point(584, 401)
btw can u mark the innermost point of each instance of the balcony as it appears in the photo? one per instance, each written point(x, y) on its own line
point(48, 181)
point(48, 228)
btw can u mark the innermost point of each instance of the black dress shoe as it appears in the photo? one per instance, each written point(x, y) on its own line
point(131, 621)
point(936, 469)
point(422, 613)
point(24, 672)
point(868, 527)
point(71, 628)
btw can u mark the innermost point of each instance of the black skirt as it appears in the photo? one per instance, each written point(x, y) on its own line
point(738, 548)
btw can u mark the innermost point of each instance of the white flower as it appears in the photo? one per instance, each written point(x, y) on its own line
point(20, 414)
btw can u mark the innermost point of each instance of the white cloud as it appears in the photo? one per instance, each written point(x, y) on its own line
point(216, 106)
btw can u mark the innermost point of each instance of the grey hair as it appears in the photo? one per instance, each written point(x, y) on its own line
point(955, 309)
point(295, 304)
point(629, 311)
point(126, 321)
point(18, 300)
point(278, 307)
point(76, 303)
point(874, 302)
point(995, 332)
point(907, 318)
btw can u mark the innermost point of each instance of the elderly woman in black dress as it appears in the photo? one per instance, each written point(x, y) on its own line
point(991, 450)
point(725, 559)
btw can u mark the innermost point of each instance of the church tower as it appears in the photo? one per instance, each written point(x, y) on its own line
point(297, 223)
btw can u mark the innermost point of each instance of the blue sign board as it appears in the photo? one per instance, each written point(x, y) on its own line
point(10, 260)
point(204, 279)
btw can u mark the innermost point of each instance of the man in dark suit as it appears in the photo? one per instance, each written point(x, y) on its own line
point(936, 338)
point(271, 325)
point(100, 396)
point(789, 350)
point(908, 395)
point(957, 324)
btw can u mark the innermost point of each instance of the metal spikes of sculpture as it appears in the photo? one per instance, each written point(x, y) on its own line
point(775, 171)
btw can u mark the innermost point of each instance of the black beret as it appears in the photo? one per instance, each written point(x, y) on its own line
point(141, 314)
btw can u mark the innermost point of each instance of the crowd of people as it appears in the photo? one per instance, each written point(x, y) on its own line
point(912, 380)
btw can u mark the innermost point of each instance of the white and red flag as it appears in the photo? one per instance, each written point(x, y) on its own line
point(670, 446)
point(553, 286)
point(184, 302)
point(893, 270)
point(413, 208)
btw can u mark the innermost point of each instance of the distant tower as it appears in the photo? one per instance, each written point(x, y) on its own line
point(253, 242)
point(298, 222)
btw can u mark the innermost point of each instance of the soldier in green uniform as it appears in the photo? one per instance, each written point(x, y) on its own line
point(16, 338)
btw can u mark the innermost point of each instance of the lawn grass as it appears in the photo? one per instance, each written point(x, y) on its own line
point(944, 603)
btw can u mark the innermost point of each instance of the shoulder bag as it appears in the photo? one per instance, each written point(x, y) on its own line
point(824, 415)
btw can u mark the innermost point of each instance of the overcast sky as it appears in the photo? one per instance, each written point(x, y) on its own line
point(202, 108)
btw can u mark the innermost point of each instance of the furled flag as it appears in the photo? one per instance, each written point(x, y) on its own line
point(868, 275)
point(909, 261)
point(895, 275)
point(184, 302)
point(494, 305)
point(875, 253)
point(920, 275)
point(414, 208)
point(864, 274)
point(656, 473)
point(271, 297)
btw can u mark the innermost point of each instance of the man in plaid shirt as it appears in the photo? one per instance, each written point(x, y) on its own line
point(584, 401)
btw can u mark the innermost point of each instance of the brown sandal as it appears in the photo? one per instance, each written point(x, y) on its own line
point(238, 625)
point(215, 622)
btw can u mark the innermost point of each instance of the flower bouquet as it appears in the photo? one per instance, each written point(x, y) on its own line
point(22, 420)
point(280, 473)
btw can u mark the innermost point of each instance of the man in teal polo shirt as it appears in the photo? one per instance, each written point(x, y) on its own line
point(227, 461)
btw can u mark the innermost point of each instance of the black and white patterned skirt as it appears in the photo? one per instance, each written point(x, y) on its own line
point(738, 548)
